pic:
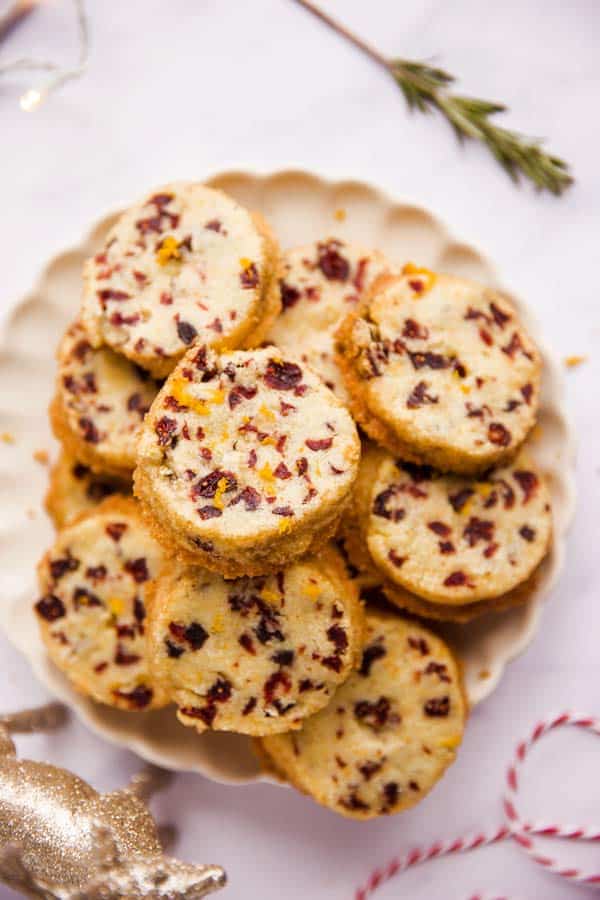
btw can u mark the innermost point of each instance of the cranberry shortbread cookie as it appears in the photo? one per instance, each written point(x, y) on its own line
point(389, 733)
point(449, 539)
point(100, 401)
point(440, 370)
point(319, 284)
point(254, 655)
point(186, 261)
point(92, 608)
point(74, 489)
point(246, 460)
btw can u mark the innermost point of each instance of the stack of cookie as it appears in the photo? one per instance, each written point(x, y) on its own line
point(221, 530)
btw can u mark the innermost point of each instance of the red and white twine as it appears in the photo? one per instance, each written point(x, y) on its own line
point(520, 830)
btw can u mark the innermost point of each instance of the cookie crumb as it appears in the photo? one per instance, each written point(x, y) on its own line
point(41, 456)
point(7, 437)
point(340, 215)
point(571, 362)
point(484, 674)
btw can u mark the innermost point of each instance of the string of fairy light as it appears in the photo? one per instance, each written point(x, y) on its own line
point(57, 74)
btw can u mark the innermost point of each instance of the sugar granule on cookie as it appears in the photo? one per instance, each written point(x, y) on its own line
point(246, 460)
point(187, 261)
point(254, 655)
point(91, 609)
point(440, 370)
point(389, 733)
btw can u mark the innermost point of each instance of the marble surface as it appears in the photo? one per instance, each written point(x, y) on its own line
point(184, 89)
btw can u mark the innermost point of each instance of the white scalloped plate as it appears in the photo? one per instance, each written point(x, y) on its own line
point(301, 207)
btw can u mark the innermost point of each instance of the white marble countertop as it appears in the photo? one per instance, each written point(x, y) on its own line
point(183, 89)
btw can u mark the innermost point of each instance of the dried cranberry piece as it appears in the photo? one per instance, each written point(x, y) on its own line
point(353, 801)
point(370, 655)
point(186, 332)
point(214, 225)
point(50, 608)
point(247, 643)
point(439, 528)
point(194, 633)
point(390, 792)
point(283, 511)
point(138, 569)
point(323, 444)
point(419, 644)
point(207, 486)
point(302, 465)
point(108, 294)
point(96, 573)
point(289, 294)
point(419, 396)
point(220, 691)
point(206, 713)
point(267, 628)
point(528, 482)
point(283, 657)
point(249, 276)
point(239, 393)
point(527, 533)
point(123, 658)
point(116, 530)
point(498, 434)
point(249, 706)
point(500, 317)
point(173, 651)
point(277, 682)
point(83, 597)
point(140, 697)
point(437, 706)
point(374, 714)
point(250, 498)
point(337, 635)
point(332, 264)
point(457, 579)
point(60, 567)
point(332, 662)
point(166, 429)
point(414, 331)
point(446, 547)
point(459, 499)
point(282, 471)
point(478, 530)
point(439, 669)
point(527, 392)
point(396, 559)
point(89, 431)
point(369, 768)
point(429, 360)
point(380, 505)
point(282, 376)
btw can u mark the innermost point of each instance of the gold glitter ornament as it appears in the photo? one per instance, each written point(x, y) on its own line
point(59, 838)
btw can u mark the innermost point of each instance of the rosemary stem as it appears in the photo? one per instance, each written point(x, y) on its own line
point(344, 32)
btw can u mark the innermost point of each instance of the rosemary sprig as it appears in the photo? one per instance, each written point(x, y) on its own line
point(426, 88)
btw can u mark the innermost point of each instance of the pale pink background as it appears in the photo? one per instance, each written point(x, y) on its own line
point(182, 89)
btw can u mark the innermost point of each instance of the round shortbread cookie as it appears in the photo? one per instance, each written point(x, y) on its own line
point(254, 655)
point(450, 539)
point(389, 733)
point(74, 489)
point(100, 401)
point(186, 261)
point(440, 370)
point(319, 284)
point(92, 609)
point(246, 460)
